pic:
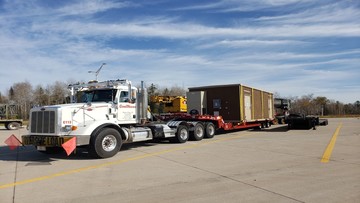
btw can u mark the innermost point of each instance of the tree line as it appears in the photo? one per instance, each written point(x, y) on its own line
point(310, 105)
point(26, 96)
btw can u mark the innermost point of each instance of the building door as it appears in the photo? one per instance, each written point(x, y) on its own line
point(270, 105)
point(247, 107)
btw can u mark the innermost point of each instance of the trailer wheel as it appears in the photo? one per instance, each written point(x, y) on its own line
point(12, 125)
point(182, 134)
point(198, 133)
point(209, 130)
point(105, 143)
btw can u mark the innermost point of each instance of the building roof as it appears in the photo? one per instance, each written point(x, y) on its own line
point(223, 86)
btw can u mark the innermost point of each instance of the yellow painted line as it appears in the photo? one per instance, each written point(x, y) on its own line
point(330, 147)
point(23, 182)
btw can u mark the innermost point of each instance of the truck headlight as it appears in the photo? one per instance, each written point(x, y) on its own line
point(68, 128)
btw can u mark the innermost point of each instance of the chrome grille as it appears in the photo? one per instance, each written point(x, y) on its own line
point(43, 122)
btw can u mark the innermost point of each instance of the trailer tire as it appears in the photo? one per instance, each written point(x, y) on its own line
point(105, 143)
point(181, 135)
point(199, 132)
point(209, 130)
point(12, 125)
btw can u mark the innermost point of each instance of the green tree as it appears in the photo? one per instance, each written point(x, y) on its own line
point(11, 93)
point(320, 103)
point(152, 89)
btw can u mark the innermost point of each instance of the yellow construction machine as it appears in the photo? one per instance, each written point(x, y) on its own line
point(169, 104)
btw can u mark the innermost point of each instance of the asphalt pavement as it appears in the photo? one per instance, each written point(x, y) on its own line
point(270, 165)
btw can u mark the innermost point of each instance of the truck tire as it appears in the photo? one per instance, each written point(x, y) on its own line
point(209, 130)
point(12, 125)
point(181, 135)
point(198, 133)
point(105, 143)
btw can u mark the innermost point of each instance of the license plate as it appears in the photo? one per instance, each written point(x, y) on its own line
point(41, 148)
point(51, 141)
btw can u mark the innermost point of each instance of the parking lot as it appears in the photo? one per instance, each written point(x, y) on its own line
point(270, 165)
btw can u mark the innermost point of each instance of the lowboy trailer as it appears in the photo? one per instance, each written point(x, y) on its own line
point(227, 107)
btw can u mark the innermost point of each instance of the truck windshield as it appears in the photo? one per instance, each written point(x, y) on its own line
point(105, 95)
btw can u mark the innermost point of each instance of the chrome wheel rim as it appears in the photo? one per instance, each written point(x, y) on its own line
point(183, 134)
point(211, 130)
point(199, 132)
point(109, 143)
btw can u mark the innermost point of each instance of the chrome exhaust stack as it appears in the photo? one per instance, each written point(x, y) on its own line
point(141, 104)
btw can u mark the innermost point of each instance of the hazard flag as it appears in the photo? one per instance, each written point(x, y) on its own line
point(12, 142)
point(69, 146)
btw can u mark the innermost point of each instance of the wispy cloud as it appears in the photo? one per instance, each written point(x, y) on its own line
point(338, 12)
point(91, 7)
point(273, 44)
point(251, 43)
point(190, 30)
point(242, 6)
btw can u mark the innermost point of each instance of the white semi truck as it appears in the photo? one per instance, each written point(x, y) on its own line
point(103, 116)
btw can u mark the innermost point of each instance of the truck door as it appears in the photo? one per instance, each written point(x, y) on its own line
point(126, 110)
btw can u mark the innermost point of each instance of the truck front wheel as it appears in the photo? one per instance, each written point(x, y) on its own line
point(105, 143)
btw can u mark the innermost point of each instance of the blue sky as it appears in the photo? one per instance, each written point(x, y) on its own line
point(291, 47)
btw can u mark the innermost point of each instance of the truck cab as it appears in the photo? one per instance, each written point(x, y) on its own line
point(123, 106)
point(102, 116)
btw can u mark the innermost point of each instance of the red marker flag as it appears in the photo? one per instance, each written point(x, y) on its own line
point(12, 142)
point(69, 146)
